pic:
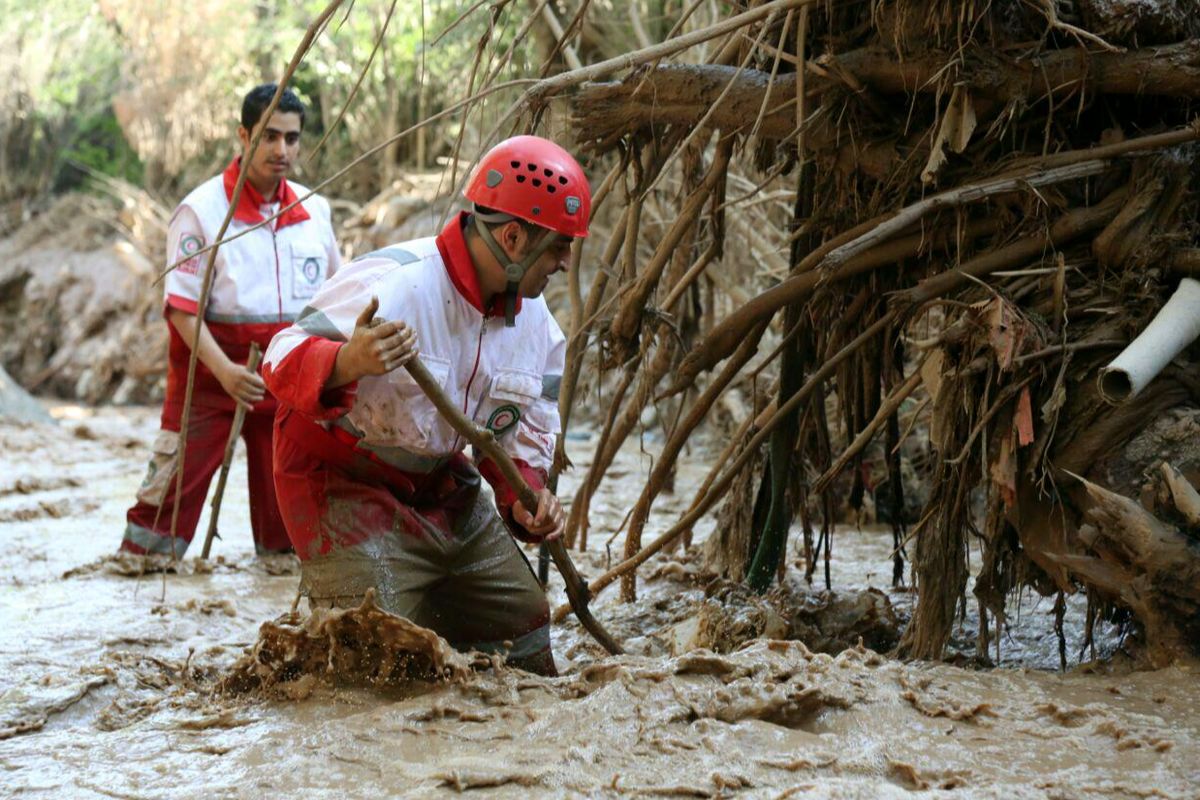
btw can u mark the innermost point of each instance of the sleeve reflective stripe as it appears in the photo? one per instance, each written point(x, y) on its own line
point(397, 254)
point(314, 322)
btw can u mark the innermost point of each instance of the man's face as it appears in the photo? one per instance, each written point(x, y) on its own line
point(277, 150)
point(556, 258)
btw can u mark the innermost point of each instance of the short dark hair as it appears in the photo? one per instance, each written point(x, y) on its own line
point(258, 98)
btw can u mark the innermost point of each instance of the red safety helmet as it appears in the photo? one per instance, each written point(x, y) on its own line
point(536, 180)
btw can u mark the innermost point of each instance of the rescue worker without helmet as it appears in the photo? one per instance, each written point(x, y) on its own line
point(261, 281)
point(376, 489)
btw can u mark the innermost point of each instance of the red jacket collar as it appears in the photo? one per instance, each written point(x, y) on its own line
point(452, 244)
point(250, 200)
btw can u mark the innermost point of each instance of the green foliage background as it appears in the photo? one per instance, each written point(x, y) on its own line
point(149, 90)
point(59, 67)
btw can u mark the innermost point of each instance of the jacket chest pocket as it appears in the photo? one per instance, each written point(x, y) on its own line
point(309, 265)
point(512, 393)
point(414, 420)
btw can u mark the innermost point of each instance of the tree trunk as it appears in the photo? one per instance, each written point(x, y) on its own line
point(682, 94)
point(1148, 565)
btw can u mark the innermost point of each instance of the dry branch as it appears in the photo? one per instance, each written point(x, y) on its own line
point(731, 330)
point(682, 94)
point(1066, 228)
point(910, 215)
point(627, 321)
point(864, 437)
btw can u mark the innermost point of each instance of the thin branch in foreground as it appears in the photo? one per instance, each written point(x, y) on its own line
point(210, 269)
point(357, 85)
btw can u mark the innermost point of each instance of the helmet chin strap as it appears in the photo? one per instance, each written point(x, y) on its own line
point(513, 270)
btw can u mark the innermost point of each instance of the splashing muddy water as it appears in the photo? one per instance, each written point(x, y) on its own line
point(108, 678)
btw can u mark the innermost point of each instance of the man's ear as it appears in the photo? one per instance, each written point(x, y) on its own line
point(243, 137)
point(512, 237)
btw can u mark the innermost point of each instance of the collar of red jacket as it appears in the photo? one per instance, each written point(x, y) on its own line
point(250, 200)
point(452, 244)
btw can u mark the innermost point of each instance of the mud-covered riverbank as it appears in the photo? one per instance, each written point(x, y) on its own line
point(106, 679)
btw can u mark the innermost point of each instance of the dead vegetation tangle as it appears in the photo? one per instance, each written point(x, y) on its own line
point(989, 201)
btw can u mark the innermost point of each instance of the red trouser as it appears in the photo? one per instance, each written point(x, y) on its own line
point(148, 528)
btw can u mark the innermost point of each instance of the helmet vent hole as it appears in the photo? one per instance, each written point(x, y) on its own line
point(537, 182)
point(562, 180)
point(515, 164)
point(520, 179)
point(549, 173)
point(532, 167)
point(550, 188)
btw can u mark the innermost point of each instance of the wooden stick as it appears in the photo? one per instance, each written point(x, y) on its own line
point(239, 417)
point(577, 590)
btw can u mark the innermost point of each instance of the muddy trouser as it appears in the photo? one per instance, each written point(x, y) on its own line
point(148, 522)
point(439, 555)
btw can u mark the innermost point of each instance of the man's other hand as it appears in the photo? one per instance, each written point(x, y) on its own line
point(244, 386)
point(377, 348)
point(549, 521)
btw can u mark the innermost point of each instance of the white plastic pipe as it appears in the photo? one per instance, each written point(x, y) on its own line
point(1173, 328)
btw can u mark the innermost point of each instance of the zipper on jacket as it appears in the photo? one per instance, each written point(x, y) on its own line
point(474, 369)
point(278, 280)
point(470, 381)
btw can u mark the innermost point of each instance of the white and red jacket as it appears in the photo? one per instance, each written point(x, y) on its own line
point(263, 279)
point(506, 379)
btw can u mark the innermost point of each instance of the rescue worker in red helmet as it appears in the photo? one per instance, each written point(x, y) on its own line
point(375, 487)
point(261, 281)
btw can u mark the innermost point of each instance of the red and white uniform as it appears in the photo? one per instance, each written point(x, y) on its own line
point(506, 379)
point(262, 281)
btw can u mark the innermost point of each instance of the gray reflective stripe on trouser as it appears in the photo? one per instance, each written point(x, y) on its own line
point(397, 457)
point(314, 322)
point(153, 543)
point(250, 319)
point(550, 386)
point(532, 643)
point(397, 254)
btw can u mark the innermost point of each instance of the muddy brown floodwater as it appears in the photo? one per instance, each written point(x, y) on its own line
point(107, 678)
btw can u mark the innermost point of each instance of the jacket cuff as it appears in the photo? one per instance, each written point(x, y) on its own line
point(299, 380)
point(506, 495)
